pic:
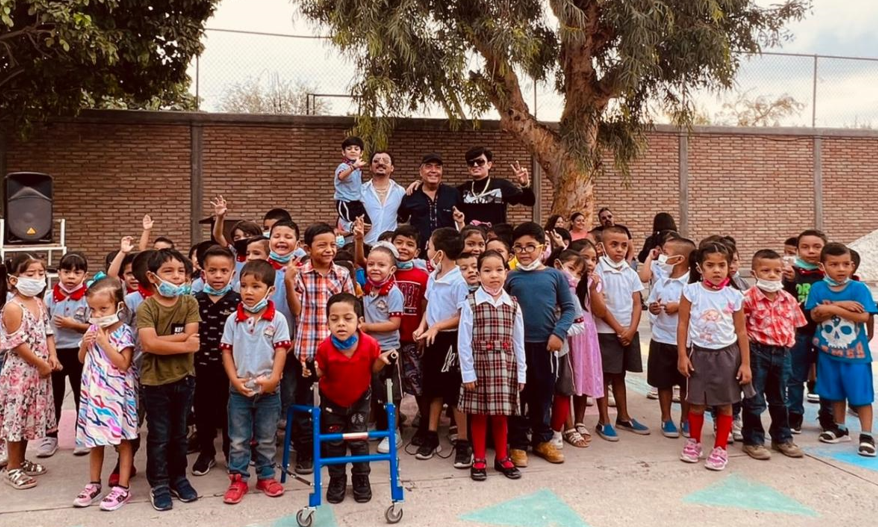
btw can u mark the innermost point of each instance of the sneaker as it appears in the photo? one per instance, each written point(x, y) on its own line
point(684, 429)
point(548, 452)
point(270, 487)
point(463, 454)
point(384, 445)
point(757, 452)
point(557, 440)
point(796, 423)
point(88, 495)
point(607, 432)
point(160, 497)
point(203, 465)
point(33, 469)
point(669, 430)
point(589, 401)
point(235, 493)
point(429, 447)
point(47, 448)
point(18, 479)
point(518, 457)
point(835, 435)
point(479, 470)
point(717, 460)
point(812, 398)
point(867, 445)
point(691, 452)
point(117, 497)
point(676, 397)
point(418, 438)
point(737, 426)
point(304, 466)
point(81, 451)
point(633, 426)
point(192, 444)
point(507, 468)
point(183, 491)
point(652, 394)
point(335, 492)
point(788, 449)
point(361, 487)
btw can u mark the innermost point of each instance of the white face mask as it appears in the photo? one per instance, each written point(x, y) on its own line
point(769, 286)
point(107, 321)
point(534, 265)
point(666, 266)
point(30, 287)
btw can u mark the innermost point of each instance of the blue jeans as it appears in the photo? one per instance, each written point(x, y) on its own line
point(249, 415)
point(771, 371)
point(802, 356)
point(167, 408)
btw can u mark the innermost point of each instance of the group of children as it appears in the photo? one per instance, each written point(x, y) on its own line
point(240, 330)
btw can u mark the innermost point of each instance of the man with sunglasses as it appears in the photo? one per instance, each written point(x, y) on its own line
point(485, 198)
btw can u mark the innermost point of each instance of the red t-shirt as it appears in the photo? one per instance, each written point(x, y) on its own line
point(345, 379)
point(413, 284)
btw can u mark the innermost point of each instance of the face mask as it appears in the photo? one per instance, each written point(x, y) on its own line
point(405, 266)
point(438, 256)
point(266, 234)
point(280, 259)
point(217, 292)
point(107, 321)
point(473, 287)
point(339, 241)
point(664, 263)
point(345, 344)
point(30, 287)
point(531, 266)
point(262, 304)
point(769, 286)
point(169, 290)
point(613, 265)
point(802, 264)
point(716, 287)
point(493, 292)
point(836, 283)
point(299, 253)
point(70, 291)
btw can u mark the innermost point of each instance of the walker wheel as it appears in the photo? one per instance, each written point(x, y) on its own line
point(393, 514)
point(305, 517)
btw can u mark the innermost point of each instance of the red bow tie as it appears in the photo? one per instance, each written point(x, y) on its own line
point(60, 295)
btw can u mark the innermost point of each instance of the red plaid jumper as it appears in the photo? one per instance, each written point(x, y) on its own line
point(314, 290)
point(772, 322)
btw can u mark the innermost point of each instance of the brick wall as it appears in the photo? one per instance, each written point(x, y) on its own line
point(112, 167)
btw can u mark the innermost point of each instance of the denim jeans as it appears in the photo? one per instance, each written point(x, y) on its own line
point(167, 409)
point(802, 356)
point(335, 419)
point(771, 371)
point(249, 415)
point(537, 397)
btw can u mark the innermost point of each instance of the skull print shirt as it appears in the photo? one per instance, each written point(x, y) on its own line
point(842, 339)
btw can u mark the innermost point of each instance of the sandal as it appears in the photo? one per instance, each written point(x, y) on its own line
point(19, 480)
point(507, 468)
point(33, 469)
point(479, 470)
point(575, 438)
point(583, 431)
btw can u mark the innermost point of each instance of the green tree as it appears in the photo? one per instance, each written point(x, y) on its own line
point(613, 61)
point(761, 110)
point(57, 57)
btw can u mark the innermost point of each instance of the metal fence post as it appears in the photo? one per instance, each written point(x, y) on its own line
point(197, 82)
point(814, 96)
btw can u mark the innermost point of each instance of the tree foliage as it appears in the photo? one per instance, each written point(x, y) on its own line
point(761, 110)
point(277, 96)
point(57, 57)
point(616, 63)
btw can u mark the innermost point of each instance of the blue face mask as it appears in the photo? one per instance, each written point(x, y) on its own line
point(836, 283)
point(169, 290)
point(217, 292)
point(259, 306)
point(280, 259)
point(405, 266)
point(345, 344)
point(266, 234)
point(802, 264)
point(339, 241)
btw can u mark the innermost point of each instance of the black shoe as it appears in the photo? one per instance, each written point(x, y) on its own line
point(867, 445)
point(479, 470)
point(463, 454)
point(160, 497)
point(835, 435)
point(362, 488)
point(203, 465)
point(505, 467)
point(796, 423)
point(336, 490)
point(429, 447)
point(193, 445)
point(304, 466)
point(183, 491)
point(419, 437)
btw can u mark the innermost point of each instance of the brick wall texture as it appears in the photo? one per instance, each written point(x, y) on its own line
point(111, 168)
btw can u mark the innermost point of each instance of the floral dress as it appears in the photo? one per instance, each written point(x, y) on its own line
point(27, 407)
point(108, 404)
point(585, 353)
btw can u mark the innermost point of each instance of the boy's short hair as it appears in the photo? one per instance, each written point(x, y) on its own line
point(260, 240)
point(766, 254)
point(128, 260)
point(579, 245)
point(834, 249)
point(683, 245)
point(504, 232)
point(353, 141)
point(290, 224)
point(407, 231)
point(344, 298)
point(165, 239)
point(160, 256)
point(792, 241)
point(529, 228)
point(447, 240)
point(200, 249)
point(316, 230)
point(466, 254)
point(477, 151)
point(855, 256)
point(278, 215)
point(261, 270)
point(215, 251)
point(811, 232)
point(501, 240)
point(614, 229)
point(74, 261)
point(386, 236)
point(140, 266)
point(248, 227)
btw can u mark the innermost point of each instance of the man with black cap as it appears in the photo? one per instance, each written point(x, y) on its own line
point(432, 204)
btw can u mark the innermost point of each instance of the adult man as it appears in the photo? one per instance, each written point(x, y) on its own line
point(432, 204)
point(381, 197)
point(485, 199)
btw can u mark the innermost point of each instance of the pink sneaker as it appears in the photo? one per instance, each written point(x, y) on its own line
point(115, 499)
point(717, 460)
point(691, 452)
point(89, 495)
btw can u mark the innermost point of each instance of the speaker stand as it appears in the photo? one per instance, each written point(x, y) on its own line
point(50, 249)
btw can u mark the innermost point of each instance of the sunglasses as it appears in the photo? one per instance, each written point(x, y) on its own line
point(476, 162)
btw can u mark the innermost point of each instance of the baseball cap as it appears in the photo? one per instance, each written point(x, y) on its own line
point(432, 158)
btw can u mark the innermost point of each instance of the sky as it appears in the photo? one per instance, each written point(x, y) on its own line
point(844, 97)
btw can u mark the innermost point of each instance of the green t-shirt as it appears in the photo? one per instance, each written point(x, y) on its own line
point(158, 370)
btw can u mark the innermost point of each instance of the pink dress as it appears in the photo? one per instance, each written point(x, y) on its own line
point(27, 408)
point(585, 354)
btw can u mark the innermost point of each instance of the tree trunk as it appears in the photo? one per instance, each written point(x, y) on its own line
point(573, 191)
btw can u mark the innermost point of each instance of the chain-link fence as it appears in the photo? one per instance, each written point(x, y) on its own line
point(243, 71)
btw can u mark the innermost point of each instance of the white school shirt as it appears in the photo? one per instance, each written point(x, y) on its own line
point(465, 336)
point(666, 289)
point(384, 216)
point(444, 295)
point(711, 319)
point(618, 287)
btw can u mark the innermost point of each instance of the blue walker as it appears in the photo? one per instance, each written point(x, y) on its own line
point(305, 516)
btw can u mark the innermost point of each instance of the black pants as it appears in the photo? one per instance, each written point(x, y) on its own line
point(303, 430)
point(72, 369)
point(537, 395)
point(167, 408)
point(337, 419)
point(211, 400)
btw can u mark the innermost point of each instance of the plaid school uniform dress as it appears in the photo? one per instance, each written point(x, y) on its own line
point(494, 361)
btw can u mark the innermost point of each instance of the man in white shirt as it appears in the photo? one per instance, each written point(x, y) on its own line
point(382, 197)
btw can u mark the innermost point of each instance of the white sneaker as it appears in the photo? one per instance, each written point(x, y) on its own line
point(557, 440)
point(81, 451)
point(676, 397)
point(384, 445)
point(737, 426)
point(48, 447)
point(653, 394)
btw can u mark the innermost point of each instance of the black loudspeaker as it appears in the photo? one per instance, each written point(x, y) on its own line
point(27, 206)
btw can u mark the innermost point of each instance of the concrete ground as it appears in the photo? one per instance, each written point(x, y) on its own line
point(637, 481)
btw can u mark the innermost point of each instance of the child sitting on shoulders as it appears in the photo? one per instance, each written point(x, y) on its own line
point(349, 184)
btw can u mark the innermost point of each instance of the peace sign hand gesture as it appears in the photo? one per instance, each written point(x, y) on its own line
point(220, 207)
point(521, 174)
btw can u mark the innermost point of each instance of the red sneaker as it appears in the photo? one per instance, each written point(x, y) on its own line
point(236, 490)
point(270, 487)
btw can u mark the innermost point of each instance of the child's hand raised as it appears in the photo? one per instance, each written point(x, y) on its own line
point(469, 386)
point(684, 366)
point(126, 245)
point(292, 270)
point(359, 163)
point(220, 207)
point(459, 217)
point(359, 228)
point(147, 222)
